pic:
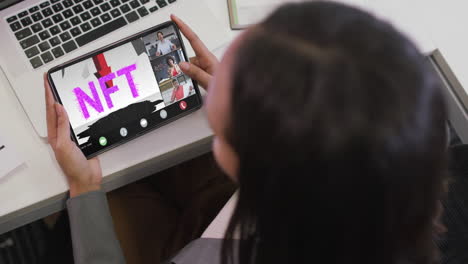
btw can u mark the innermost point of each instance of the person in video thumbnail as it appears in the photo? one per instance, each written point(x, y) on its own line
point(178, 92)
point(173, 68)
point(164, 46)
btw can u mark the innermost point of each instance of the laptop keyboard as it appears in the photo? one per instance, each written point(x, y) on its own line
point(53, 28)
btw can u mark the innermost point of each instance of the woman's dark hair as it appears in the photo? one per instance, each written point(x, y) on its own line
point(168, 58)
point(339, 125)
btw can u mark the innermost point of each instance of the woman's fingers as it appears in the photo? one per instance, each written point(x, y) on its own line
point(49, 97)
point(194, 60)
point(63, 127)
point(197, 45)
point(202, 66)
point(51, 114)
point(196, 73)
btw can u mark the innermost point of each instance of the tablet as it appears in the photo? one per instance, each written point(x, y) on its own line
point(126, 89)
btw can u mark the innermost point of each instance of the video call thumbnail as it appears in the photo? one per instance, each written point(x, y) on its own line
point(164, 49)
point(107, 92)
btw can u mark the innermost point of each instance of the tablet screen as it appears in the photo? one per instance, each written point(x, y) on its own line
point(122, 91)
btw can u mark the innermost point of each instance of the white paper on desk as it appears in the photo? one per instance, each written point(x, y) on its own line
point(9, 158)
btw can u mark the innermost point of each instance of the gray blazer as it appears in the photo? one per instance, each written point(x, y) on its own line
point(94, 239)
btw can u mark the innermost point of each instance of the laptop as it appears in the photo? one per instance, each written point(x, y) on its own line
point(40, 34)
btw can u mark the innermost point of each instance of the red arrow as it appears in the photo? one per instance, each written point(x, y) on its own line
point(102, 68)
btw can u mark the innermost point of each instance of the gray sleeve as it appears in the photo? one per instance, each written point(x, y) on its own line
point(92, 230)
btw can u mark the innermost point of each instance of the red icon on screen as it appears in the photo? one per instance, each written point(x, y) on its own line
point(183, 105)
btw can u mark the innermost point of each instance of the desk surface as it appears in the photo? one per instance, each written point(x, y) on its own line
point(38, 188)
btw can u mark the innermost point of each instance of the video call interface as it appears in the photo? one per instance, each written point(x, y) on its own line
point(126, 90)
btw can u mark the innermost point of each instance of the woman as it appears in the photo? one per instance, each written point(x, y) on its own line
point(173, 69)
point(339, 157)
point(178, 92)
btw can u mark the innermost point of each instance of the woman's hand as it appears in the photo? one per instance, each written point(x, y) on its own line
point(202, 66)
point(83, 175)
